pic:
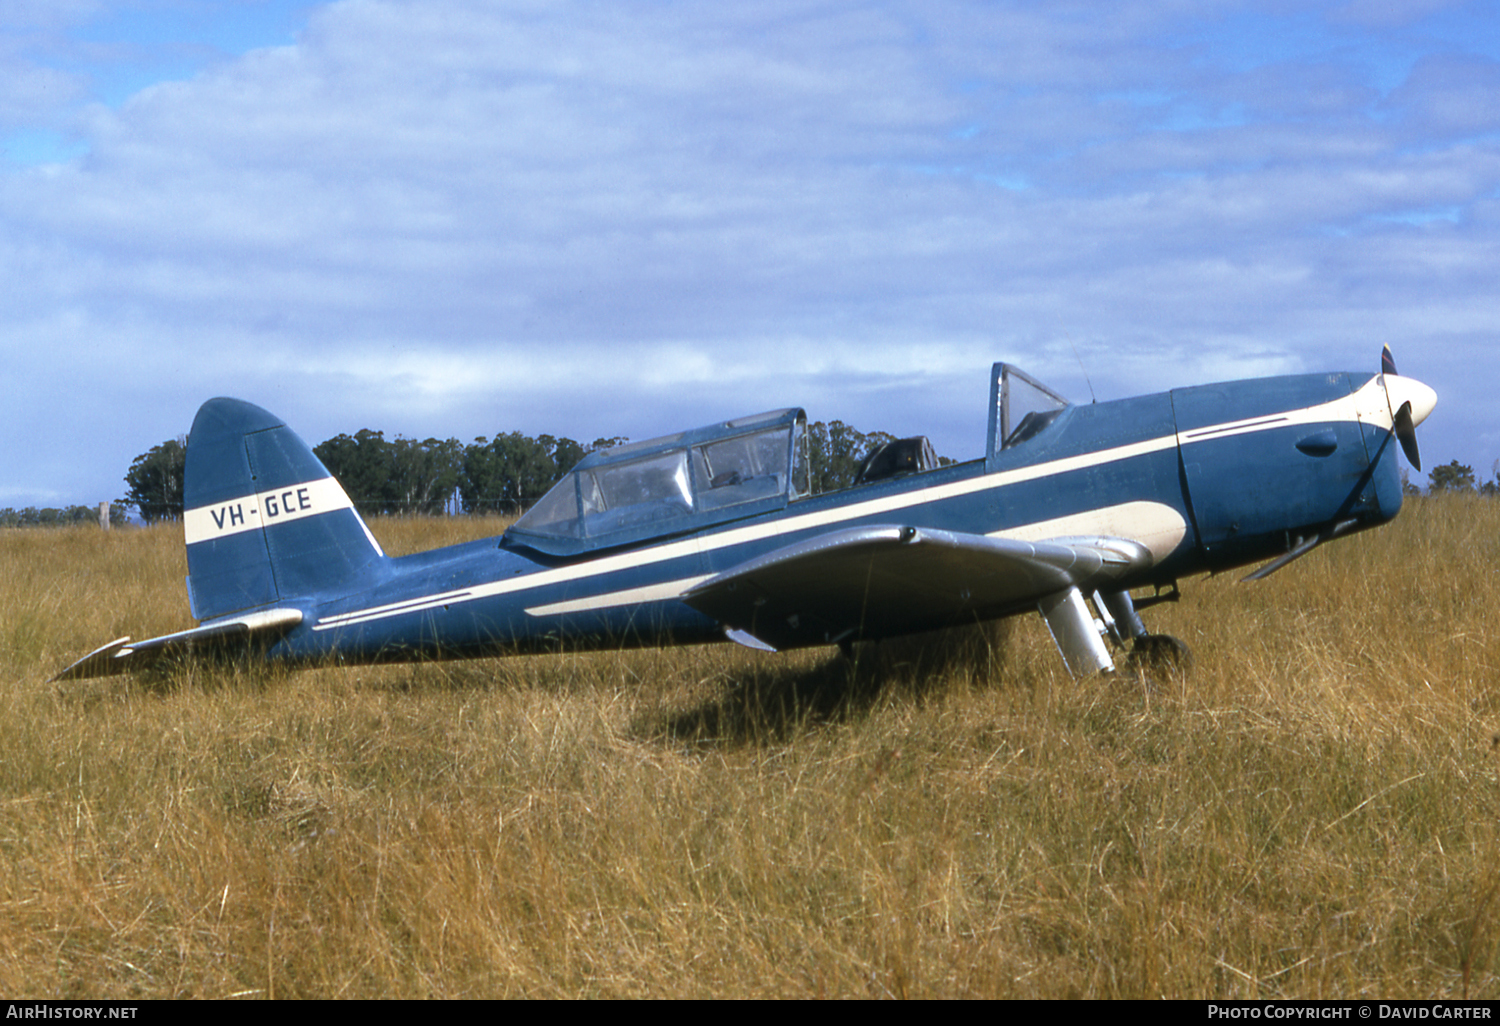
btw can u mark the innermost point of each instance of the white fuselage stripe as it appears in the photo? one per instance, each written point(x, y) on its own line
point(1348, 408)
point(1157, 525)
point(628, 597)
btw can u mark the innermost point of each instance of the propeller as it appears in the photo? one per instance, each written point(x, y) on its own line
point(1410, 402)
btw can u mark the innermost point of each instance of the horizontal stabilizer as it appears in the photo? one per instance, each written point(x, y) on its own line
point(872, 582)
point(120, 656)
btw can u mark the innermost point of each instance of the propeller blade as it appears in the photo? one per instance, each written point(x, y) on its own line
point(1410, 403)
point(1406, 434)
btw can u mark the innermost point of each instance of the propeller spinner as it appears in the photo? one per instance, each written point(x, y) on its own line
point(1410, 402)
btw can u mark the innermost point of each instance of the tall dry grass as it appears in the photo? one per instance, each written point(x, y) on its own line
point(1313, 813)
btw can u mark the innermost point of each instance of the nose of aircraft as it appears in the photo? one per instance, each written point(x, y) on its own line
point(1401, 390)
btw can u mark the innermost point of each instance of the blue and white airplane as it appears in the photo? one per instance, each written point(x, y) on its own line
point(713, 533)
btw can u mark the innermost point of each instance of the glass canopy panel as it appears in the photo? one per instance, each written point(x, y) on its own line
point(1026, 406)
point(743, 469)
point(640, 492)
point(556, 513)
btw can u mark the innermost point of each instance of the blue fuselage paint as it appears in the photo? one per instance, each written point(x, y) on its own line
point(1244, 466)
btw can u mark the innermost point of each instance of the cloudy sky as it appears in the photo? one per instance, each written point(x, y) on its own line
point(461, 217)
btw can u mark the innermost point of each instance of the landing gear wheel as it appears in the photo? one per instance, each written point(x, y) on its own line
point(1157, 654)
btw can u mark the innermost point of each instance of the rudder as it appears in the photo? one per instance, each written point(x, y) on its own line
point(264, 520)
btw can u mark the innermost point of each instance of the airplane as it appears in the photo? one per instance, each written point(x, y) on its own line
point(714, 534)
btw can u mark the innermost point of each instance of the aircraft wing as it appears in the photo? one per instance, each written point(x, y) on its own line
point(121, 656)
point(870, 582)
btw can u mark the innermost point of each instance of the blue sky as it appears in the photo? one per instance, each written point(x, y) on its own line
point(459, 217)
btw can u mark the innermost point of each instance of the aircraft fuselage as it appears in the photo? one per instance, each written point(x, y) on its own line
point(1206, 478)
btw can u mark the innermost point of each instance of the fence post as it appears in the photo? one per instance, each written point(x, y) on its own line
point(104, 515)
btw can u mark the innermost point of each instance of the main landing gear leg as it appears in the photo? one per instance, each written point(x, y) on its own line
point(1149, 653)
point(1076, 633)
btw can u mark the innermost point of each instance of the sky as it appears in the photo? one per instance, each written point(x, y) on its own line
point(455, 218)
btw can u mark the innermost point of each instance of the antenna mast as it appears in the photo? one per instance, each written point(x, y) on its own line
point(1069, 337)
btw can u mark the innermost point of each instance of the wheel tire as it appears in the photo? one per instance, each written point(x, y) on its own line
point(1160, 654)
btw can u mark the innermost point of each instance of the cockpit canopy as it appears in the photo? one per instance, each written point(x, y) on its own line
point(1020, 406)
point(734, 469)
point(679, 482)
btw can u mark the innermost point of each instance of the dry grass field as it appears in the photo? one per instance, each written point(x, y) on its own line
point(1315, 813)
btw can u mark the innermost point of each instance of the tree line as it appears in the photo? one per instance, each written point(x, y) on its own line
point(1455, 478)
point(505, 474)
point(31, 516)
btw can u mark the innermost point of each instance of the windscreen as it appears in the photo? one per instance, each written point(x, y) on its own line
point(1026, 406)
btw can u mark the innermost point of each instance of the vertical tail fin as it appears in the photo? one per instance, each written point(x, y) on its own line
point(265, 521)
